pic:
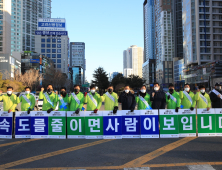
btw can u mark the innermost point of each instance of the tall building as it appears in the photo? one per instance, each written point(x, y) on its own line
point(149, 65)
point(77, 62)
point(54, 45)
point(16, 25)
point(133, 59)
point(202, 21)
point(178, 44)
point(5, 27)
point(178, 29)
point(32, 11)
point(8, 63)
point(164, 40)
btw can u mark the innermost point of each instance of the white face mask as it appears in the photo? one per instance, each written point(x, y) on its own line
point(202, 91)
point(156, 88)
point(127, 91)
point(143, 91)
point(9, 92)
point(27, 92)
point(93, 91)
point(218, 87)
point(187, 89)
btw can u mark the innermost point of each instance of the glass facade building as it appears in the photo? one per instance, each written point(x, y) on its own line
point(149, 74)
point(164, 39)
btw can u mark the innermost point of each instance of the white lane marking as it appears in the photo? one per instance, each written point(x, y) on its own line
point(200, 167)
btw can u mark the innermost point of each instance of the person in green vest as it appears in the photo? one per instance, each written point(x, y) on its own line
point(187, 98)
point(63, 99)
point(143, 99)
point(9, 100)
point(202, 98)
point(93, 100)
point(28, 100)
point(172, 98)
point(111, 99)
point(50, 99)
point(76, 100)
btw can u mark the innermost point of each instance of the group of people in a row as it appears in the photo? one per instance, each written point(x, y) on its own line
point(92, 101)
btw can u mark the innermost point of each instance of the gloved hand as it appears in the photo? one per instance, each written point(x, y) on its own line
point(85, 94)
point(29, 110)
point(177, 109)
point(77, 111)
point(191, 108)
point(95, 111)
point(132, 110)
point(168, 97)
point(49, 111)
point(115, 109)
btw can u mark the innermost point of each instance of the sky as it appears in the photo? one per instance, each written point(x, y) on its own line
point(107, 27)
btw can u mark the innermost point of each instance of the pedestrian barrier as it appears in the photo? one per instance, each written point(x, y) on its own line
point(163, 123)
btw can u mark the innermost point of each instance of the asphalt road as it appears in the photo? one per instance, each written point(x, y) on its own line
point(154, 154)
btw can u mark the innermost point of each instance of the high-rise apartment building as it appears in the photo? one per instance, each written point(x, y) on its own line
point(5, 27)
point(133, 59)
point(32, 11)
point(164, 40)
point(149, 65)
point(202, 22)
point(16, 25)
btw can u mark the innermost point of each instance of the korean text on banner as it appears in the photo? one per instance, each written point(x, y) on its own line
point(93, 125)
point(206, 122)
point(149, 123)
point(6, 125)
point(168, 123)
point(22, 125)
point(112, 127)
point(75, 125)
point(130, 124)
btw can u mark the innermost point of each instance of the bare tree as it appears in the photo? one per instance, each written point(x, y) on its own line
point(29, 78)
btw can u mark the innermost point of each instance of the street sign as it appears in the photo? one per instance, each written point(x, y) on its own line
point(206, 122)
point(187, 123)
point(85, 85)
point(75, 125)
point(149, 123)
point(112, 125)
point(39, 124)
point(93, 125)
point(168, 123)
point(130, 124)
point(22, 125)
point(57, 125)
point(6, 125)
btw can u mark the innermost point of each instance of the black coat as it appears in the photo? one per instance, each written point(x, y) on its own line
point(216, 101)
point(159, 100)
point(128, 101)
